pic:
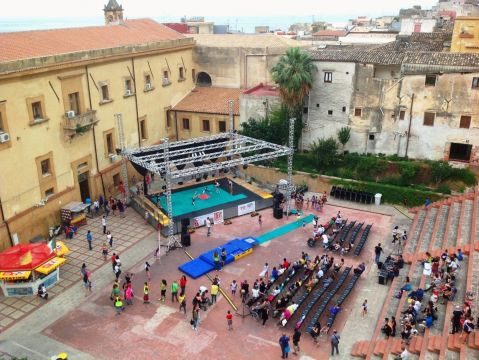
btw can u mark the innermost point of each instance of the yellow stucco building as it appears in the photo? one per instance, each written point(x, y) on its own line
point(465, 37)
point(61, 92)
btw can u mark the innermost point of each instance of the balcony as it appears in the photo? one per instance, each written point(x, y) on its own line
point(80, 123)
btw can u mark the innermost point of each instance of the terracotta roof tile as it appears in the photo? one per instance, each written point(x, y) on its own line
point(39, 43)
point(209, 100)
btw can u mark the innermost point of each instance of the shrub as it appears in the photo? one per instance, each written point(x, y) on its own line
point(313, 176)
point(370, 167)
point(324, 152)
point(344, 134)
point(464, 175)
point(444, 189)
point(441, 171)
point(408, 171)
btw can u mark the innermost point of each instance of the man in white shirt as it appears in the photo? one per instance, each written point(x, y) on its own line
point(320, 274)
point(417, 306)
point(103, 223)
point(325, 240)
point(321, 230)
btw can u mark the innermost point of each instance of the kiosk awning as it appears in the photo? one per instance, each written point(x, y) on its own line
point(50, 265)
point(14, 275)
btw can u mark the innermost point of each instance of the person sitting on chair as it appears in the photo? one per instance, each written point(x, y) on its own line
point(42, 291)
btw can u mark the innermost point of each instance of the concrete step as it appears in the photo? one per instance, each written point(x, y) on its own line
point(380, 347)
point(434, 343)
point(355, 351)
point(474, 340)
point(396, 347)
point(416, 345)
point(454, 342)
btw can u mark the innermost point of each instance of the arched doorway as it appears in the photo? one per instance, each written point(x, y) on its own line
point(203, 79)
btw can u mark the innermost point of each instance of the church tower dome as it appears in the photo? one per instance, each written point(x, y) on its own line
point(113, 13)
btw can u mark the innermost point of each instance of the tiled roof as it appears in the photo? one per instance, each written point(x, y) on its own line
point(246, 41)
point(331, 33)
point(402, 45)
point(41, 43)
point(361, 56)
point(262, 90)
point(209, 100)
point(442, 58)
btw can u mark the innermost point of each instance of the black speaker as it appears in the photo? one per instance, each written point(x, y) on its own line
point(184, 229)
point(382, 280)
point(186, 240)
point(185, 222)
point(278, 213)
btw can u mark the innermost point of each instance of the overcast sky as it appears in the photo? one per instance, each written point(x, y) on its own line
point(155, 8)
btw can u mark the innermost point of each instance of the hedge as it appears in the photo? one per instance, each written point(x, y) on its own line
point(391, 194)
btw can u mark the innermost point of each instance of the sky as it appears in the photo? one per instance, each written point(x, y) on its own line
point(159, 8)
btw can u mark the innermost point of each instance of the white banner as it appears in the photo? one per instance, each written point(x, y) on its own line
point(217, 217)
point(246, 208)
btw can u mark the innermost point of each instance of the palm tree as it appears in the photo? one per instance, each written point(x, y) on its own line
point(294, 75)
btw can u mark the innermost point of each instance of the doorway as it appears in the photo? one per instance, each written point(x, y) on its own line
point(460, 152)
point(84, 186)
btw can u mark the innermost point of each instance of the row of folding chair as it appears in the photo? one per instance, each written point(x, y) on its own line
point(355, 233)
point(362, 241)
point(352, 195)
point(343, 297)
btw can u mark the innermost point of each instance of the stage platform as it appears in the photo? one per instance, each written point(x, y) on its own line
point(219, 205)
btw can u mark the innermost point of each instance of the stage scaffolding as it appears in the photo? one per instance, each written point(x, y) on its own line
point(196, 158)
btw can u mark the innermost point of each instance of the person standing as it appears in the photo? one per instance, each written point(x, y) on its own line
point(229, 320)
point(395, 233)
point(89, 238)
point(182, 300)
point(113, 261)
point(393, 326)
point(129, 294)
point(377, 251)
point(233, 287)
point(284, 344)
point(214, 292)
point(146, 293)
point(456, 319)
point(296, 338)
point(230, 184)
point(260, 220)
point(121, 208)
point(174, 291)
point(103, 223)
point(265, 314)
point(217, 186)
point(147, 270)
point(104, 251)
point(223, 257)
point(117, 271)
point(195, 318)
point(216, 260)
point(109, 238)
point(365, 307)
point(183, 282)
point(208, 226)
point(163, 286)
point(335, 342)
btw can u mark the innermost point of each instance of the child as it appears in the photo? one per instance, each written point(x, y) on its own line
point(365, 308)
point(229, 320)
point(119, 305)
point(147, 270)
point(163, 290)
point(146, 292)
point(104, 251)
point(182, 300)
point(233, 287)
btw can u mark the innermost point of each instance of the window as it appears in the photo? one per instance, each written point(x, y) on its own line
point(402, 114)
point(429, 118)
point(317, 105)
point(465, 122)
point(222, 126)
point(110, 147)
point(186, 124)
point(45, 167)
point(128, 87)
point(143, 130)
point(193, 75)
point(305, 110)
point(328, 77)
point(344, 108)
point(330, 112)
point(166, 80)
point(475, 83)
point(206, 125)
point(358, 112)
point(2, 127)
point(148, 83)
point(74, 102)
point(116, 180)
point(37, 110)
point(181, 73)
point(49, 192)
point(371, 137)
point(430, 80)
point(105, 95)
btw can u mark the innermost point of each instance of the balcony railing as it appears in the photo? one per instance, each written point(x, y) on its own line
point(79, 123)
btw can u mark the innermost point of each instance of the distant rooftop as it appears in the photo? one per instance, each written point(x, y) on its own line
point(245, 40)
point(209, 100)
point(262, 90)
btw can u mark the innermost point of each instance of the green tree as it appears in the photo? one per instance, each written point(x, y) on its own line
point(274, 128)
point(344, 134)
point(324, 153)
point(294, 75)
point(441, 171)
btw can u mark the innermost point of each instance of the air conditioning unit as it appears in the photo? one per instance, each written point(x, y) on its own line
point(128, 92)
point(70, 114)
point(4, 137)
point(113, 157)
point(166, 81)
point(148, 86)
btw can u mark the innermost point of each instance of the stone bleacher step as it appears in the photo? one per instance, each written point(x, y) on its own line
point(434, 343)
point(474, 340)
point(454, 342)
point(380, 347)
point(360, 348)
point(416, 345)
point(396, 347)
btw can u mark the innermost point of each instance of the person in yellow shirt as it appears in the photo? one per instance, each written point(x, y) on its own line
point(214, 291)
point(182, 300)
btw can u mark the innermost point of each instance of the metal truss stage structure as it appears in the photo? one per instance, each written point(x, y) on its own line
point(195, 158)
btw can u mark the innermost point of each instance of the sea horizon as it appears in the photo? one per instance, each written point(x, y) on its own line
point(244, 24)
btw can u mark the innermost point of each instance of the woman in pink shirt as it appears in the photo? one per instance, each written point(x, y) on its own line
point(129, 295)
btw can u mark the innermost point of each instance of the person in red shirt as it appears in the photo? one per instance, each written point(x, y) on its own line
point(285, 263)
point(229, 320)
point(182, 284)
point(113, 261)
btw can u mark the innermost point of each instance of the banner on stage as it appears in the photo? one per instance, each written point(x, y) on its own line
point(246, 208)
point(217, 217)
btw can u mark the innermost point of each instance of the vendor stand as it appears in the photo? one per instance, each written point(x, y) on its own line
point(74, 214)
point(24, 267)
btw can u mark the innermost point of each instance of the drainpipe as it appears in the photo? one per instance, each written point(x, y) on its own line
point(176, 126)
point(136, 102)
point(6, 223)
point(93, 131)
point(410, 122)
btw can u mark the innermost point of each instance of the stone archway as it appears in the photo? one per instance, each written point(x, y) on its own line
point(203, 79)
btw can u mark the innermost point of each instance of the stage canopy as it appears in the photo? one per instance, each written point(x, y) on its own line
point(196, 157)
point(25, 257)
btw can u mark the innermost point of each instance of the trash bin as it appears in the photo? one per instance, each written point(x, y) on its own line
point(377, 199)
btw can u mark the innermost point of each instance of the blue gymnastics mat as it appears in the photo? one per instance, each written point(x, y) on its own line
point(196, 268)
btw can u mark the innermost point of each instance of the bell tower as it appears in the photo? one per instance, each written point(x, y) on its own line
point(113, 13)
